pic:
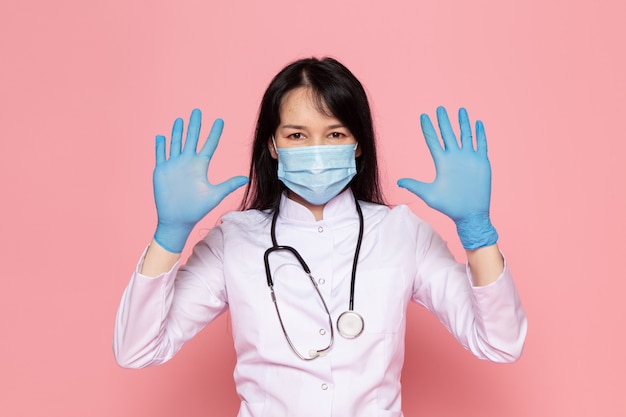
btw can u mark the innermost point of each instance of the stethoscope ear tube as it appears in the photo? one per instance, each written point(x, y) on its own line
point(276, 248)
point(313, 353)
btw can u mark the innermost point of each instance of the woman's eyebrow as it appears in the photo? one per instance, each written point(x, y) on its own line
point(335, 126)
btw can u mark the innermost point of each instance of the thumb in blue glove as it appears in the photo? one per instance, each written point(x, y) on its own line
point(182, 191)
point(462, 186)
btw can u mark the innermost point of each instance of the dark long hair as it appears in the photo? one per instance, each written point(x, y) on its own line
point(337, 91)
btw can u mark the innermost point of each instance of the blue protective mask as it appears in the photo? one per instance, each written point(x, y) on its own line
point(316, 173)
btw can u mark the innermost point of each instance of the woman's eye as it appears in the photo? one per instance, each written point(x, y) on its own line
point(295, 136)
point(337, 135)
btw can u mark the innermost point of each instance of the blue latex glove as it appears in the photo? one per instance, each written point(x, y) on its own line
point(462, 186)
point(182, 191)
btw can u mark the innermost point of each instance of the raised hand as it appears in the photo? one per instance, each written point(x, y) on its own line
point(182, 191)
point(462, 186)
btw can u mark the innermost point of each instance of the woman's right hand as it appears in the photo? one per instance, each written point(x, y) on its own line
point(182, 191)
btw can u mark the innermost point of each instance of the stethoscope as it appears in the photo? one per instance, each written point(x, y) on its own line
point(349, 323)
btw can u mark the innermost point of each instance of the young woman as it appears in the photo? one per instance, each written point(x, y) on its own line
point(315, 270)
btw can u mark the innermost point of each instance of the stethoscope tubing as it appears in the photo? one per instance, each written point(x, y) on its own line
point(314, 353)
point(277, 247)
point(356, 254)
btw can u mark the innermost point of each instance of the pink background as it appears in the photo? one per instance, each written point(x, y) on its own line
point(85, 86)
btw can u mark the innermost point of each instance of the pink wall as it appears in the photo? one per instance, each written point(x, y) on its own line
point(85, 86)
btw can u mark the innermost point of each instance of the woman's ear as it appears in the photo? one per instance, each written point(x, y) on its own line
point(272, 148)
point(357, 151)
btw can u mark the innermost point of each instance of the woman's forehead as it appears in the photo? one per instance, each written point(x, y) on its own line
point(302, 106)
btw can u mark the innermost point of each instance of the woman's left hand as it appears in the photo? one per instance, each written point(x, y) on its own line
point(462, 186)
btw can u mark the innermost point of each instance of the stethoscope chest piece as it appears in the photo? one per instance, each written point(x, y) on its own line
point(350, 324)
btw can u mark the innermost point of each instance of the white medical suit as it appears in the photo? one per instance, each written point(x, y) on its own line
point(402, 259)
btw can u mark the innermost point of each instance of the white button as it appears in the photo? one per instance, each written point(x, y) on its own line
point(320, 229)
point(322, 332)
point(321, 281)
point(324, 387)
